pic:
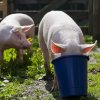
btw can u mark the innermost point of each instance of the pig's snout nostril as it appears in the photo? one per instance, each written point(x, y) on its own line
point(27, 46)
point(24, 47)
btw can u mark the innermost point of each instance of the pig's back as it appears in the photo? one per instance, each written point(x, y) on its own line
point(54, 21)
point(57, 18)
point(18, 19)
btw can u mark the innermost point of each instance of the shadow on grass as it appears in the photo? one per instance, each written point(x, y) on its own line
point(89, 97)
point(57, 96)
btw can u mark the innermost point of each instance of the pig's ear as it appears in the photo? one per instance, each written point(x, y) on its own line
point(27, 28)
point(86, 48)
point(57, 48)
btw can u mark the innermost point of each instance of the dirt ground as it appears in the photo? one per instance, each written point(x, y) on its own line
point(41, 89)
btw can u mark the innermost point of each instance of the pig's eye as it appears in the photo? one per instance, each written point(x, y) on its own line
point(27, 37)
point(18, 36)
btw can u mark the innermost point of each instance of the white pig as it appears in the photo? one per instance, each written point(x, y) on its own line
point(14, 31)
point(59, 35)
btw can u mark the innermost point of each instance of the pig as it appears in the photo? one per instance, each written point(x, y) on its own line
point(59, 35)
point(15, 29)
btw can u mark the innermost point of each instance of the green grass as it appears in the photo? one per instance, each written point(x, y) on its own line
point(94, 76)
point(17, 74)
point(93, 73)
point(15, 78)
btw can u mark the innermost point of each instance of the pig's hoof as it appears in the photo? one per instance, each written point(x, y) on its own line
point(54, 89)
point(47, 77)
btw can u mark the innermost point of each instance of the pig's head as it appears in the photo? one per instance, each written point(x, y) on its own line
point(14, 36)
point(71, 48)
point(18, 36)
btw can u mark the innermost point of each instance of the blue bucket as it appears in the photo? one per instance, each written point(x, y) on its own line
point(71, 72)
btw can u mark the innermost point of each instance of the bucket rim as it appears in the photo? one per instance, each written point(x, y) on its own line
point(67, 56)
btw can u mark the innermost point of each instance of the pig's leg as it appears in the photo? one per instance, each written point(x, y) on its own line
point(20, 55)
point(55, 84)
point(1, 54)
point(46, 57)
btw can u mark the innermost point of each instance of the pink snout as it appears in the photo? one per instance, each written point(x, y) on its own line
point(28, 45)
